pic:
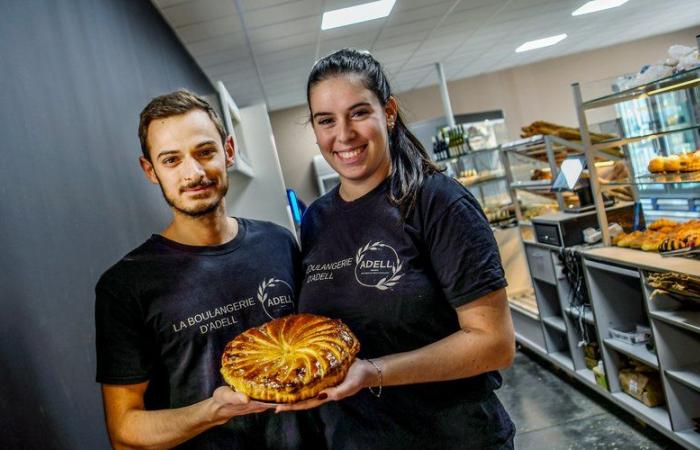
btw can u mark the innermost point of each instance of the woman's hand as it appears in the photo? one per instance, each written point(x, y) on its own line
point(361, 374)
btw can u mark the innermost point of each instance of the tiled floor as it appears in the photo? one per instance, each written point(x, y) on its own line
point(552, 411)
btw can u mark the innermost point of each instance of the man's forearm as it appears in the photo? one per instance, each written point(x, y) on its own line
point(163, 428)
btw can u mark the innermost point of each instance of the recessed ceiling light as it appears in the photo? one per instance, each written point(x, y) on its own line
point(598, 5)
point(539, 43)
point(356, 14)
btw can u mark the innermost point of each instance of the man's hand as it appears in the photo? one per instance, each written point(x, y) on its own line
point(360, 375)
point(227, 403)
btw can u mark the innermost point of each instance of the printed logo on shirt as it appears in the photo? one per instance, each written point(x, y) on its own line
point(214, 319)
point(276, 297)
point(377, 265)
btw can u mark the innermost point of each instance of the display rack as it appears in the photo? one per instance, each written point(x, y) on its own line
point(474, 159)
point(683, 81)
point(545, 149)
point(619, 294)
point(619, 297)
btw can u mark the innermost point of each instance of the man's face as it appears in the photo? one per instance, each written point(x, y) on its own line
point(189, 162)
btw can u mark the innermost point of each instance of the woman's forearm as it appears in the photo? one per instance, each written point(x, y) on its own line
point(485, 342)
point(463, 354)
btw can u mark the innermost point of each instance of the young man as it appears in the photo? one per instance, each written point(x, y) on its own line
point(166, 310)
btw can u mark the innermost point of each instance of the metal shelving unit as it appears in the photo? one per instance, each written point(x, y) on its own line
point(618, 292)
point(683, 81)
point(538, 149)
point(474, 159)
point(620, 296)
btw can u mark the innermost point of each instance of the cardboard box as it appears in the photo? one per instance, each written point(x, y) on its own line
point(644, 386)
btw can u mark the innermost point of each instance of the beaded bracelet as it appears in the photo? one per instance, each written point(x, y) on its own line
point(379, 372)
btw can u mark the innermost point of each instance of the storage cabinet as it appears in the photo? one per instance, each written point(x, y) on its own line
point(620, 298)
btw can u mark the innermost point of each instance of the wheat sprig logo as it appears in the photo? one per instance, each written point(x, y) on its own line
point(388, 281)
point(263, 292)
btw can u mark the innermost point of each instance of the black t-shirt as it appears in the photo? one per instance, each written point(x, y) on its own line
point(165, 312)
point(396, 284)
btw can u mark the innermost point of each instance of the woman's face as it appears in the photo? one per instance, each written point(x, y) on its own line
point(350, 125)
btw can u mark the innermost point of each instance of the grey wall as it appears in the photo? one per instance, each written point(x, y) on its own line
point(73, 77)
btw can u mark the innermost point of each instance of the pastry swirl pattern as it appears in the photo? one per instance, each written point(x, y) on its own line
point(289, 359)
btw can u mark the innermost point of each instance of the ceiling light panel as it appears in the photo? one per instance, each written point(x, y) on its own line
point(541, 43)
point(356, 14)
point(598, 5)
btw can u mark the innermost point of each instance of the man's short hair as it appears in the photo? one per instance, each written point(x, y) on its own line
point(172, 104)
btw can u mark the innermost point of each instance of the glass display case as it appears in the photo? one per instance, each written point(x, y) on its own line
point(655, 121)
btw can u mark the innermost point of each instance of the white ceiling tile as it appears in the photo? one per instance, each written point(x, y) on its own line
point(304, 53)
point(355, 41)
point(275, 45)
point(423, 12)
point(240, 75)
point(410, 28)
point(196, 11)
point(386, 44)
point(290, 28)
point(282, 13)
point(167, 3)
point(210, 29)
point(251, 5)
point(218, 44)
point(403, 5)
point(223, 57)
point(469, 37)
point(476, 4)
point(231, 69)
point(392, 55)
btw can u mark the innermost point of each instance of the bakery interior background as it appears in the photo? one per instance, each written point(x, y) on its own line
point(75, 75)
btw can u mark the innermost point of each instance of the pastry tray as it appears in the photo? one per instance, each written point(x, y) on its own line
point(682, 252)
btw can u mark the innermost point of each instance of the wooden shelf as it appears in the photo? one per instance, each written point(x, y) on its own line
point(636, 351)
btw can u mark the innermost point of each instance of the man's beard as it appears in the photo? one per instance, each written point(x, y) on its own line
point(200, 211)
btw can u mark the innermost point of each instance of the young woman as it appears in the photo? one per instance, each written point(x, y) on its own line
point(405, 257)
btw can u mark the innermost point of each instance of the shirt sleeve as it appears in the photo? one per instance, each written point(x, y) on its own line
point(464, 253)
point(124, 349)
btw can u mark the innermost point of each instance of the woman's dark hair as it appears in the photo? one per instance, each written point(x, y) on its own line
point(409, 160)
